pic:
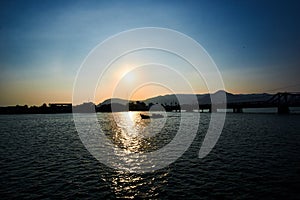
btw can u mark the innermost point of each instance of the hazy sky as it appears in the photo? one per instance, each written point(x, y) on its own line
point(255, 44)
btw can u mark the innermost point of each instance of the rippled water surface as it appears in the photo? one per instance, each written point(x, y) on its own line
point(257, 156)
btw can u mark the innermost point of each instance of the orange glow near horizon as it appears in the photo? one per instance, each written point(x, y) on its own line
point(149, 91)
point(130, 77)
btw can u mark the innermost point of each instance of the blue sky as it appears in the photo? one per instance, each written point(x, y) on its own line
point(255, 44)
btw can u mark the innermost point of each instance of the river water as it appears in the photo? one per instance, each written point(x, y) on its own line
point(256, 156)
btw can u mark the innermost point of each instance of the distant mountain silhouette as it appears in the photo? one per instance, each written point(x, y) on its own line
point(233, 98)
point(172, 99)
point(114, 100)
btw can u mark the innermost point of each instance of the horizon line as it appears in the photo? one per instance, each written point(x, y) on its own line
point(135, 100)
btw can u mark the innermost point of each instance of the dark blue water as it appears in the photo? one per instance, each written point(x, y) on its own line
point(256, 157)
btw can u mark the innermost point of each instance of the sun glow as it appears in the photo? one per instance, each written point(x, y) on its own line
point(129, 77)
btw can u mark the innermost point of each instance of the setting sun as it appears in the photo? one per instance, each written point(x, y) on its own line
point(129, 77)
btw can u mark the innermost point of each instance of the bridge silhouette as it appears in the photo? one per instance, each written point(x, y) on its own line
point(283, 101)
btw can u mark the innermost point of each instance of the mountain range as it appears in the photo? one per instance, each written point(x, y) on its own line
point(172, 99)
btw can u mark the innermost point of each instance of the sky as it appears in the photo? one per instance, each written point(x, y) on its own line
point(254, 44)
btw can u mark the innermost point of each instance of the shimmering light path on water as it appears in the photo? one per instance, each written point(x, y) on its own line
point(257, 156)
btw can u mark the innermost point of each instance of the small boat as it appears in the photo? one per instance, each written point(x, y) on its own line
point(154, 116)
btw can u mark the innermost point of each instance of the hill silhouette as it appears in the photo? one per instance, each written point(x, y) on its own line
point(171, 99)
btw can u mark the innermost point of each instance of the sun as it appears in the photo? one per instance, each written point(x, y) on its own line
point(127, 74)
point(129, 77)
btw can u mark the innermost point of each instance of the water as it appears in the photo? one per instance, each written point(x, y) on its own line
point(257, 156)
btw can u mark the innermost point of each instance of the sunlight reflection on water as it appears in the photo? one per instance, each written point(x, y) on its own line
point(129, 186)
point(134, 134)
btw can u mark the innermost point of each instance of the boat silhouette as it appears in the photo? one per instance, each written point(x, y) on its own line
point(154, 116)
